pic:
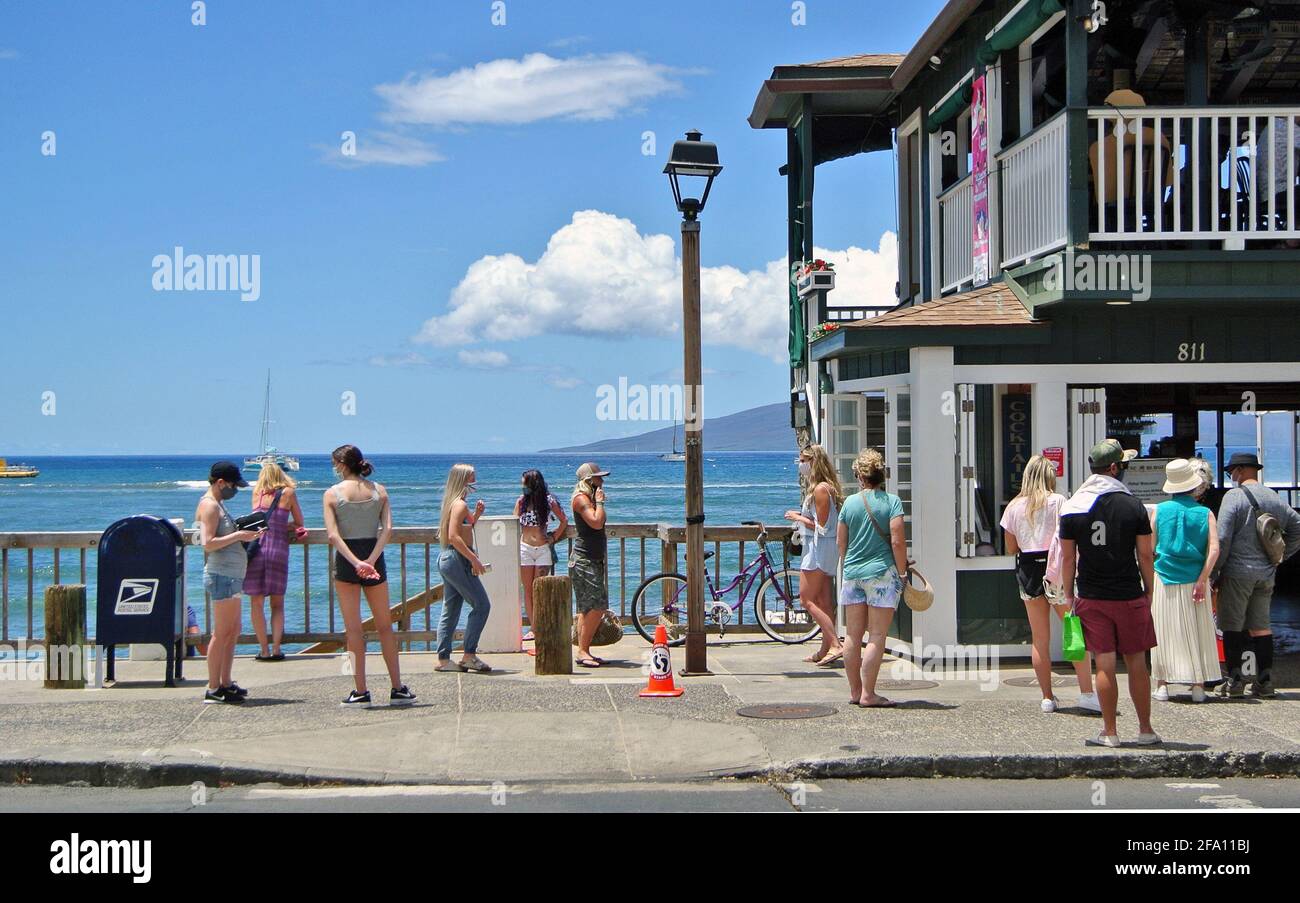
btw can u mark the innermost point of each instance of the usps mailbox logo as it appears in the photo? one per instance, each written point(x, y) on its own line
point(136, 596)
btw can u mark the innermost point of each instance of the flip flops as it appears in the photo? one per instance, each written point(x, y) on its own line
point(592, 662)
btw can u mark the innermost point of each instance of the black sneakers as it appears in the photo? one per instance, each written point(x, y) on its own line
point(401, 696)
point(1263, 689)
point(357, 700)
point(237, 690)
point(222, 695)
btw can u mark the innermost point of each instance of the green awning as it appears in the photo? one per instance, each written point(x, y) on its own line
point(957, 101)
point(1024, 23)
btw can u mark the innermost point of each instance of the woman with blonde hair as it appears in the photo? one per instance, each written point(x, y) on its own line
point(818, 520)
point(358, 521)
point(268, 570)
point(1030, 522)
point(460, 567)
point(873, 546)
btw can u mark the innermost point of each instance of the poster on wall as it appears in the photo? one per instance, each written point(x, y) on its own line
point(1145, 478)
point(979, 146)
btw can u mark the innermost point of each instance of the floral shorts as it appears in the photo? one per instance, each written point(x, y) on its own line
point(878, 592)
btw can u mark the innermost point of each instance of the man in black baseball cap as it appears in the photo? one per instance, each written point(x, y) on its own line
point(228, 471)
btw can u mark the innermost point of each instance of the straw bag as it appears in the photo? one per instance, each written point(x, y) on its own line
point(918, 598)
point(608, 633)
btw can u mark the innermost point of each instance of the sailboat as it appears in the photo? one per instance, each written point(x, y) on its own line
point(269, 453)
point(674, 455)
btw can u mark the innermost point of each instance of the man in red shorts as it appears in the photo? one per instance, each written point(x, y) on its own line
point(1108, 529)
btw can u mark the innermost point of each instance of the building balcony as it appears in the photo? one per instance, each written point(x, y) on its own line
point(1158, 178)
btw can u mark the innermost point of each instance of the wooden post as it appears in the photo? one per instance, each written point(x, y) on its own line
point(553, 614)
point(65, 637)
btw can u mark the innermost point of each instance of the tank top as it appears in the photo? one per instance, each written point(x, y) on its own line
point(358, 520)
point(232, 560)
point(590, 542)
point(1182, 539)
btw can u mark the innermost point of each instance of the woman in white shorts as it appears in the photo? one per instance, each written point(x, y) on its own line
point(534, 510)
point(873, 548)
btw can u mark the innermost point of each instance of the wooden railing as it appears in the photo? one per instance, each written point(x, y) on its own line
point(31, 561)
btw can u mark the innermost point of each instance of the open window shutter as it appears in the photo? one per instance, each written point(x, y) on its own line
point(1087, 428)
point(965, 399)
point(846, 434)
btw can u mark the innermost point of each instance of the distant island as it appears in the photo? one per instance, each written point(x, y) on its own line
point(765, 428)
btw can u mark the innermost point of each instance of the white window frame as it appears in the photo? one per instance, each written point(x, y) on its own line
point(1087, 428)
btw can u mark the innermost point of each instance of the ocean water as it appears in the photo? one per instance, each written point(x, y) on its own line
point(90, 493)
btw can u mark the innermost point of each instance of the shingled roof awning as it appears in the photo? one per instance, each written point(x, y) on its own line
point(990, 315)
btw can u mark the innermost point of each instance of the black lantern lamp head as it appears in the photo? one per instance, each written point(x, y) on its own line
point(692, 158)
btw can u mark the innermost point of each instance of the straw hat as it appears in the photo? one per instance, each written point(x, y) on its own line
point(1181, 475)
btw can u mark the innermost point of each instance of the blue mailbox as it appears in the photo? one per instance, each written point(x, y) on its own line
point(141, 589)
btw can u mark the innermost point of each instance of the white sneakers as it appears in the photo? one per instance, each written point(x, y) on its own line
point(1048, 705)
point(1089, 702)
point(1198, 694)
point(1161, 693)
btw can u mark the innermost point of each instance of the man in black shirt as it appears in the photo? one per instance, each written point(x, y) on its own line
point(1106, 541)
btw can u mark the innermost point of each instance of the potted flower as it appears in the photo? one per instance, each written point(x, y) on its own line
point(822, 330)
point(815, 276)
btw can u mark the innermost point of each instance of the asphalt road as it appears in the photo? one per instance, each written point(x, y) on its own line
point(719, 796)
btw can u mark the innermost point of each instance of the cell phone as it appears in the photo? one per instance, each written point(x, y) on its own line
point(487, 568)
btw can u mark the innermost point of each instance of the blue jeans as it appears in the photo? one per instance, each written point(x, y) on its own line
point(460, 585)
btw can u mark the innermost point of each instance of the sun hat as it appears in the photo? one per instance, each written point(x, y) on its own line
point(1108, 452)
point(591, 469)
point(1181, 475)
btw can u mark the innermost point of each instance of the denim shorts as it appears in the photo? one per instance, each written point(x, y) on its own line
point(219, 586)
point(878, 592)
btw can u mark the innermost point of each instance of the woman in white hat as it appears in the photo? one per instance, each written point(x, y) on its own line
point(1187, 544)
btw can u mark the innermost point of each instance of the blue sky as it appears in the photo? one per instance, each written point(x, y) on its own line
point(497, 249)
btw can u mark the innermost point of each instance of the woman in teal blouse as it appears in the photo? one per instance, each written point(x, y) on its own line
point(1187, 544)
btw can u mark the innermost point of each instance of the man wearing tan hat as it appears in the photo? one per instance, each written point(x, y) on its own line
point(587, 558)
point(1106, 539)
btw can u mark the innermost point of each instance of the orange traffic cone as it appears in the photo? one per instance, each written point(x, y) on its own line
point(661, 668)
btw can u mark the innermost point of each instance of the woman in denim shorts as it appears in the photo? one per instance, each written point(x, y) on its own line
point(223, 577)
point(873, 548)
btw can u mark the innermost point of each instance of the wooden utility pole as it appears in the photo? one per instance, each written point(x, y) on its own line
point(65, 637)
point(692, 397)
point(553, 625)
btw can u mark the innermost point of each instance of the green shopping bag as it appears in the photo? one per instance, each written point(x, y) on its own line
point(1072, 638)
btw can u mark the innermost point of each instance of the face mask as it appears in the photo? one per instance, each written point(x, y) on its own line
point(228, 493)
point(805, 468)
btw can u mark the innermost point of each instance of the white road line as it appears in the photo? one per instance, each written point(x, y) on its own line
point(1226, 801)
point(1193, 786)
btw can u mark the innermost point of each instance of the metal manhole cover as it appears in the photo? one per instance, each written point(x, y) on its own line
point(905, 685)
point(1058, 680)
point(775, 710)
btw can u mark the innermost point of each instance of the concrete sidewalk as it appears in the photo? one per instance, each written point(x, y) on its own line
point(511, 726)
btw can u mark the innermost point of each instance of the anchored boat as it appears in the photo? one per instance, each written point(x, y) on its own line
point(269, 453)
point(17, 471)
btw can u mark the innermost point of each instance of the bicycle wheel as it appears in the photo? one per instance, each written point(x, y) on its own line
point(779, 611)
point(661, 599)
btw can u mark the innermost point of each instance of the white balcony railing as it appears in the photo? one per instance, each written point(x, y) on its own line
point(956, 265)
point(1033, 189)
point(1169, 173)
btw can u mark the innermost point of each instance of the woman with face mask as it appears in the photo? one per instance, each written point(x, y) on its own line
point(461, 568)
point(358, 521)
point(818, 523)
point(224, 567)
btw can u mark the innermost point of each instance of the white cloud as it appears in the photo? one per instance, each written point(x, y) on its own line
point(600, 277)
point(409, 359)
point(564, 382)
point(386, 149)
point(483, 359)
point(8, 54)
point(529, 89)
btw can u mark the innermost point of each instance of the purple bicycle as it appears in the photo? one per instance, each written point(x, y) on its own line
point(661, 599)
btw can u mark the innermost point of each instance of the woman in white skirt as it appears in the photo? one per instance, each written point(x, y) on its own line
point(1187, 544)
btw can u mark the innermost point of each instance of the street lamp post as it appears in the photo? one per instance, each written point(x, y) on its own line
point(693, 158)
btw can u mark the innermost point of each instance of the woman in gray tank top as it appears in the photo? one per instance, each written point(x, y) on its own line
point(223, 577)
point(359, 521)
